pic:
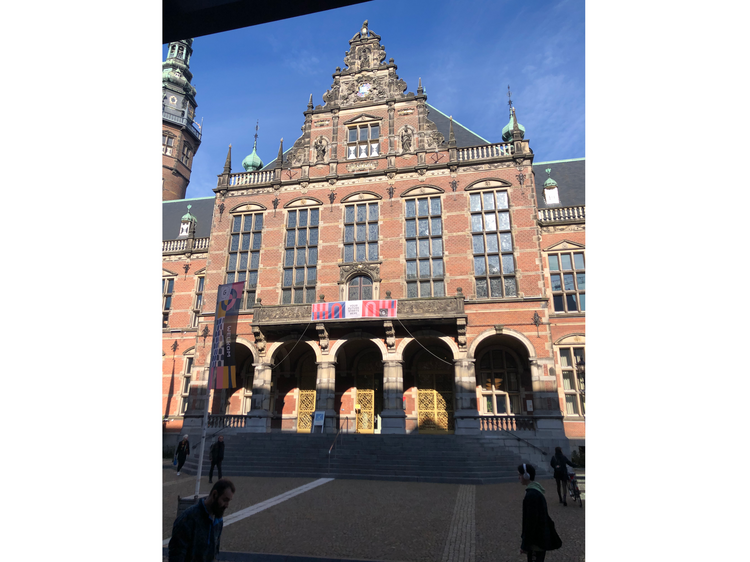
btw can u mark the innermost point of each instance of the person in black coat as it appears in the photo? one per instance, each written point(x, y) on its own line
point(183, 450)
point(538, 534)
point(217, 455)
point(558, 462)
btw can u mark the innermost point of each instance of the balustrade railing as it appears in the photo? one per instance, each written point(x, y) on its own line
point(170, 246)
point(506, 423)
point(250, 178)
point(183, 121)
point(226, 421)
point(554, 214)
point(485, 151)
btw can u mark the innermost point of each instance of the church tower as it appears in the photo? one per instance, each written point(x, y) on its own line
point(181, 135)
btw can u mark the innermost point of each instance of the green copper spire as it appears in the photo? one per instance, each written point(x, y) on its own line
point(549, 182)
point(512, 123)
point(188, 217)
point(252, 162)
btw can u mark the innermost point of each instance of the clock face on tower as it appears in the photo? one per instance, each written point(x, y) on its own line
point(173, 100)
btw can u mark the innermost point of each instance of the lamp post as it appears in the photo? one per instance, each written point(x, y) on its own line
point(581, 372)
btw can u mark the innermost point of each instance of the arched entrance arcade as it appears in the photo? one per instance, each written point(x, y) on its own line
point(359, 388)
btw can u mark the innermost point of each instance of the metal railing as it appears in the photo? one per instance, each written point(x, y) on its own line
point(183, 121)
point(554, 214)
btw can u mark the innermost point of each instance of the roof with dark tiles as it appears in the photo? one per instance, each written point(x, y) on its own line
point(570, 176)
point(173, 211)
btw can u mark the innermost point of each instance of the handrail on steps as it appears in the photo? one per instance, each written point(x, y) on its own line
point(334, 443)
point(525, 441)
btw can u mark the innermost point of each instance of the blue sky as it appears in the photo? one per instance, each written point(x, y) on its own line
point(467, 53)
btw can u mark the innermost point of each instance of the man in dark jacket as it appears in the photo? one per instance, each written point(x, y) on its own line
point(197, 532)
point(538, 533)
point(217, 455)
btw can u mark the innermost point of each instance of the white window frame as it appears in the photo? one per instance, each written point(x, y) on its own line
point(362, 148)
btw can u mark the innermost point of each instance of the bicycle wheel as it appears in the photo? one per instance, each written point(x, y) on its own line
point(578, 497)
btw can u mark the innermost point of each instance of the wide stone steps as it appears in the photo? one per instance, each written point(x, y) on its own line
point(409, 458)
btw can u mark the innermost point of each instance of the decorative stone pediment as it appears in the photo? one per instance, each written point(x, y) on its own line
point(366, 77)
point(361, 196)
point(201, 271)
point(349, 271)
point(565, 245)
point(303, 202)
point(572, 339)
point(363, 118)
point(167, 273)
point(422, 190)
point(487, 184)
point(248, 208)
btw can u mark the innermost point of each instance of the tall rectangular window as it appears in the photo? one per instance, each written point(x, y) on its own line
point(425, 270)
point(572, 363)
point(167, 144)
point(167, 290)
point(300, 271)
point(185, 388)
point(244, 254)
point(197, 301)
point(360, 232)
point(567, 274)
point(187, 154)
point(494, 266)
point(363, 141)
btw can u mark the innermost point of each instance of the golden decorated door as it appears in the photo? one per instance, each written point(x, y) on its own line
point(306, 403)
point(368, 381)
point(435, 407)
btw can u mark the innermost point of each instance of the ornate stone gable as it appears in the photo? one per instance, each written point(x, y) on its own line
point(366, 77)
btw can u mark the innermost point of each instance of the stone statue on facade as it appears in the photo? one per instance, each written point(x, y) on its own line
point(406, 140)
point(320, 148)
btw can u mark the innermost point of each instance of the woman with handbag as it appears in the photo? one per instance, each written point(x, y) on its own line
point(538, 534)
point(183, 450)
point(558, 462)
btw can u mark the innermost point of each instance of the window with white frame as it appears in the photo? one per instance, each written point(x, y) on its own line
point(197, 301)
point(425, 270)
point(360, 232)
point(363, 141)
point(300, 272)
point(244, 254)
point(572, 363)
point(167, 291)
point(167, 144)
point(498, 375)
point(568, 281)
point(494, 265)
point(185, 388)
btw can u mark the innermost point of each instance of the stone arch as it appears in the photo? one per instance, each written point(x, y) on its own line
point(488, 183)
point(470, 353)
point(335, 348)
point(273, 348)
point(428, 333)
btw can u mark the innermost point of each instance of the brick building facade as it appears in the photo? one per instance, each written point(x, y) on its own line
point(384, 198)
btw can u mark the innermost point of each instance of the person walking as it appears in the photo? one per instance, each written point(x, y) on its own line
point(196, 533)
point(217, 455)
point(183, 450)
point(558, 462)
point(538, 534)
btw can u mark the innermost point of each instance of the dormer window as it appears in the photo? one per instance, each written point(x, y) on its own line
point(363, 141)
point(551, 197)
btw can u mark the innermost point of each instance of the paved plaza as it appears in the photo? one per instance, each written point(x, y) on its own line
point(369, 520)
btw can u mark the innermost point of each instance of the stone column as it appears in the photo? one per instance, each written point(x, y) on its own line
point(259, 417)
point(466, 414)
point(546, 399)
point(393, 417)
point(325, 386)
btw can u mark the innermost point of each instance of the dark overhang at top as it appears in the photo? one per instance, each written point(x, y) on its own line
point(195, 18)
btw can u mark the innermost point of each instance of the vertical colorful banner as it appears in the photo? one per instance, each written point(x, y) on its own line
point(223, 370)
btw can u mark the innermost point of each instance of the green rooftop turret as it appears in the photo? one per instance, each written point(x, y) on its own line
point(513, 124)
point(549, 182)
point(252, 162)
point(187, 225)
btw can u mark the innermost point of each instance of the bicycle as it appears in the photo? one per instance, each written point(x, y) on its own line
point(573, 490)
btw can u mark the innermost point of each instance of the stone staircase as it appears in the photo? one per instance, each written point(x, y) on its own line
point(412, 458)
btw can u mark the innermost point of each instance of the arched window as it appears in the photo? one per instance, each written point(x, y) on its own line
point(498, 376)
point(360, 288)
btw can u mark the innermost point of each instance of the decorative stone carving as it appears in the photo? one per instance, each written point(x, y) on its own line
point(390, 335)
point(461, 330)
point(361, 166)
point(321, 145)
point(434, 306)
point(260, 339)
point(350, 270)
point(282, 313)
point(322, 337)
